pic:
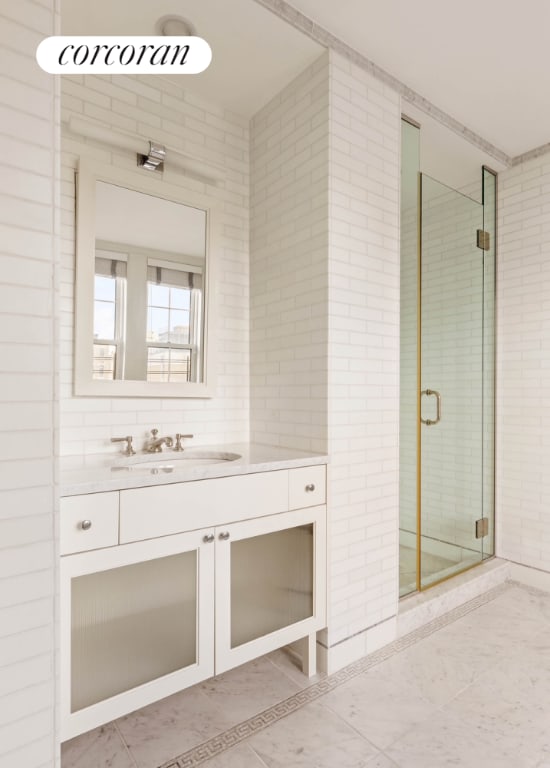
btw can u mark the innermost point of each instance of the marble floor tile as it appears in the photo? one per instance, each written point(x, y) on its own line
point(160, 731)
point(381, 761)
point(493, 703)
point(378, 706)
point(515, 614)
point(290, 666)
point(101, 748)
point(241, 756)
point(447, 741)
point(430, 669)
point(312, 737)
point(243, 692)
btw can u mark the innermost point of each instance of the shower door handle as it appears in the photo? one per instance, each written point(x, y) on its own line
point(430, 422)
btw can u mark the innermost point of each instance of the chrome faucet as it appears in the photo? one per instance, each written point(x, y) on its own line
point(156, 443)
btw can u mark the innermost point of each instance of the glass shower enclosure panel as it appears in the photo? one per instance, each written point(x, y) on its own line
point(451, 382)
point(408, 417)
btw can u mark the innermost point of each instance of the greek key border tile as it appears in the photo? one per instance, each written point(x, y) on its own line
point(242, 731)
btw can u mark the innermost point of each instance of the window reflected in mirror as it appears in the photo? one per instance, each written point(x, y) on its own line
point(148, 307)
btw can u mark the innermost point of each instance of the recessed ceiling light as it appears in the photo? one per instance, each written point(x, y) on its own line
point(174, 26)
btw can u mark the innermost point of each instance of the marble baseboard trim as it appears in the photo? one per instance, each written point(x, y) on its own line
point(238, 733)
point(530, 577)
point(421, 608)
point(354, 648)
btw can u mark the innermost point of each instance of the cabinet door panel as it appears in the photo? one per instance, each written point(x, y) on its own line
point(165, 509)
point(270, 584)
point(130, 632)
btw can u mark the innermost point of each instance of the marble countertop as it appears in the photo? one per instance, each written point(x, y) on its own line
point(114, 471)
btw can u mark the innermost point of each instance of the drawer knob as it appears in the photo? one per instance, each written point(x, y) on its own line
point(208, 538)
point(224, 535)
point(310, 487)
point(86, 525)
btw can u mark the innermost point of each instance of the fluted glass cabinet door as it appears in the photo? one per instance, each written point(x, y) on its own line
point(130, 626)
point(269, 584)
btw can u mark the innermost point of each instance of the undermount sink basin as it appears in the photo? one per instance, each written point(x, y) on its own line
point(169, 462)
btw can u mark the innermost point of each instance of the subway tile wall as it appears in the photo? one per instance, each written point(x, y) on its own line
point(325, 319)
point(289, 264)
point(28, 223)
point(158, 109)
point(523, 364)
point(363, 384)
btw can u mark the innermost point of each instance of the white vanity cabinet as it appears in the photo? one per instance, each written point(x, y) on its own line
point(202, 576)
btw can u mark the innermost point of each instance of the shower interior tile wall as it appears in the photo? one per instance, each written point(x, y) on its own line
point(523, 354)
point(28, 196)
point(158, 109)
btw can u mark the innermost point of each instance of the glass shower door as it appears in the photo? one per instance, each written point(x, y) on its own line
point(451, 383)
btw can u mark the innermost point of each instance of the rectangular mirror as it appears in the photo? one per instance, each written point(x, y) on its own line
point(143, 286)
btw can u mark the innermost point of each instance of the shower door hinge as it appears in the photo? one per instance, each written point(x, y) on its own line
point(482, 527)
point(483, 240)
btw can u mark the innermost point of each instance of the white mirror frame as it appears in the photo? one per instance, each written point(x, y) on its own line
point(87, 175)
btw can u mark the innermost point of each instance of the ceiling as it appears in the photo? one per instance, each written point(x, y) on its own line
point(254, 53)
point(485, 63)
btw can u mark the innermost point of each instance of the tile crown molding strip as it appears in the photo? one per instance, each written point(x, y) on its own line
point(322, 36)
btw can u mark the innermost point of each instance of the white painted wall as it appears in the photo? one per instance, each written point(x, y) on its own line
point(523, 365)
point(158, 109)
point(28, 196)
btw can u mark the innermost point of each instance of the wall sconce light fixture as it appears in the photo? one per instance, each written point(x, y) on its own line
point(151, 154)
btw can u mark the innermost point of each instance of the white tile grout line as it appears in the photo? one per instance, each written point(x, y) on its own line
point(242, 731)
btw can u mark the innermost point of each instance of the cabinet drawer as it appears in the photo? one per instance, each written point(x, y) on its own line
point(165, 509)
point(306, 487)
point(99, 509)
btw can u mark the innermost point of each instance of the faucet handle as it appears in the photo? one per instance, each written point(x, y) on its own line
point(179, 438)
point(128, 451)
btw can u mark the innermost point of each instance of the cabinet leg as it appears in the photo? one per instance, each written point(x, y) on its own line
point(309, 654)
